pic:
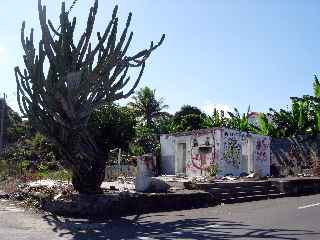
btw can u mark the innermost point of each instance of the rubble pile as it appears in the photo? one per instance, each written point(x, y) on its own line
point(49, 188)
point(123, 184)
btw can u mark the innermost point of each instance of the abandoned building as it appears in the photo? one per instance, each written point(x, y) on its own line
point(234, 152)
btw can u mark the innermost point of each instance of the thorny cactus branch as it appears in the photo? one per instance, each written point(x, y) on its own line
point(66, 58)
point(80, 77)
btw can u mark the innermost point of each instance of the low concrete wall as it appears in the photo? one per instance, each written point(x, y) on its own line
point(114, 171)
point(299, 186)
point(115, 205)
point(243, 191)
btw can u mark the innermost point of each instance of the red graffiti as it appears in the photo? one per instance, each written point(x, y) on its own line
point(202, 161)
point(261, 149)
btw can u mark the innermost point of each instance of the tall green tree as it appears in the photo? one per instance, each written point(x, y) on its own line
point(163, 123)
point(147, 106)
point(152, 118)
point(188, 118)
point(113, 126)
point(60, 98)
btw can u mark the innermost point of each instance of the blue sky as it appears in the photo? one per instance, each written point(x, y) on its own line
point(227, 53)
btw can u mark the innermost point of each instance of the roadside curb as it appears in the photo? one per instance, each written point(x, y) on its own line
point(124, 204)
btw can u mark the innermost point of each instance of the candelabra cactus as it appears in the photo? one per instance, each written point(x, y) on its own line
point(59, 98)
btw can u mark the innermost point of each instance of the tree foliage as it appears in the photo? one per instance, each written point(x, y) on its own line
point(146, 105)
point(217, 119)
point(151, 118)
point(15, 126)
point(188, 118)
point(31, 154)
point(302, 118)
point(192, 118)
point(240, 122)
point(113, 126)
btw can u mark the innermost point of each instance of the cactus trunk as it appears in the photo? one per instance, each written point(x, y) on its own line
point(88, 168)
point(88, 181)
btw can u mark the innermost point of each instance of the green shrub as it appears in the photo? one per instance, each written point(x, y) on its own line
point(136, 150)
point(30, 155)
point(62, 175)
point(213, 170)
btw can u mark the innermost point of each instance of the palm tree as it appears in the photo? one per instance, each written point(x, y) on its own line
point(146, 105)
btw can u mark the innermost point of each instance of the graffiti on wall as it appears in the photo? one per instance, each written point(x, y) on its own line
point(293, 152)
point(292, 156)
point(202, 154)
point(232, 148)
point(262, 148)
point(202, 157)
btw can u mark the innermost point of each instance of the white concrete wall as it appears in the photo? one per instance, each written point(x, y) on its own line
point(239, 146)
point(231, 152)
point(167, 164)
point(261, 152)
point(178, 158)
point(114, 171)
point(198, 160)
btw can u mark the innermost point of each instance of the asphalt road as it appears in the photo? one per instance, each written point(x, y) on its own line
point(286, 218)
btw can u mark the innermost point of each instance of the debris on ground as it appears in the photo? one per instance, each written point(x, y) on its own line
point(46, 183)
point(229, 178)
point(154, 185)
point(49, 188)
point(252, 175)
point(122, 184)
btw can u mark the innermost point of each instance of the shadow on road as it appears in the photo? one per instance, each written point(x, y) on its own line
point(140, 227)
